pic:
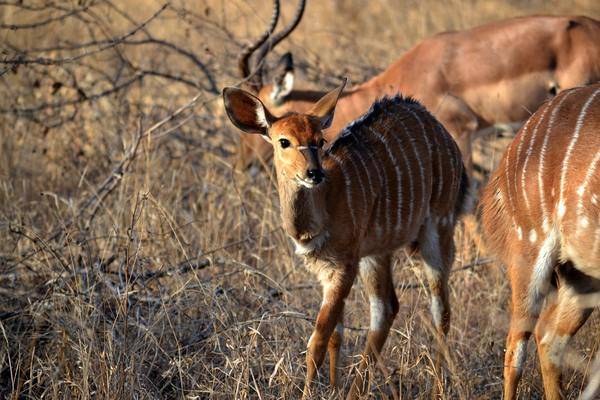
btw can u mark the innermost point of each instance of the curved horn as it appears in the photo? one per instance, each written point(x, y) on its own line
point(248, 50)
point(274, 41)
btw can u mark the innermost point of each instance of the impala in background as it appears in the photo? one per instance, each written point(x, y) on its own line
point(472, 81)
point(541, 216)
point(394, 177)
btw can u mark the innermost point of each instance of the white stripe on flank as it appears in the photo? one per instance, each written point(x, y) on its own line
point(381, 188)
point(398, 173)
point(544, 206)
point(408, 171)
point(583, 188)
point(414, 114)
point(525, 131)
point(398, 169)
point(421, 171)
point(578, 125)
point(365, 167)
point(438, 151)
point(348, 188)
point(528, 154)
point(510, 202)
point(364, 207)
point(454, 185)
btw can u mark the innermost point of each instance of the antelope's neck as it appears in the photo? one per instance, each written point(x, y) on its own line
point(304, 214)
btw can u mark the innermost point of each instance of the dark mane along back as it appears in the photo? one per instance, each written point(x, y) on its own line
point(350, 133)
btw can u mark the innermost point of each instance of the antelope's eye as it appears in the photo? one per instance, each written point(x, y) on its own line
point(322, 143)
point(284, 143)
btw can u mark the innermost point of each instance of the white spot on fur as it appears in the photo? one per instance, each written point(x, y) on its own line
point(546, 225)
point(532, 236)
point(584, 222)
point(581, 190)
point(519, 233)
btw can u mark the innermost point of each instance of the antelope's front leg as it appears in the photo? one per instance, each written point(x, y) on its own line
point(336, 286)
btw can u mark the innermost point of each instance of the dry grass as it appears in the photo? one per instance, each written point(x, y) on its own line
point(177, 281)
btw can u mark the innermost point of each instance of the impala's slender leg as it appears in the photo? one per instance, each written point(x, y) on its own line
point(336, 286)
point(557, 324)
point(520, 329)
point(376, 274)
point(333, 348)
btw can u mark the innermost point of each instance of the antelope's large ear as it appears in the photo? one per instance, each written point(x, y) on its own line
point(283, 78)
point(325, 107)
point(246, 111)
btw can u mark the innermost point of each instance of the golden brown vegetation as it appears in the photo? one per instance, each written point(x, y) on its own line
point(135, 263)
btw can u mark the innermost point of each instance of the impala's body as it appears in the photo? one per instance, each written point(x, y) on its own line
point(541, 216)
point(393, 177)
point(495, 74)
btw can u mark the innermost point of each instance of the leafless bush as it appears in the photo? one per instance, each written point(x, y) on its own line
point(134, 263)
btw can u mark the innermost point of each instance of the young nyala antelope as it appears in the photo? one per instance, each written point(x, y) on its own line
point(393, 177)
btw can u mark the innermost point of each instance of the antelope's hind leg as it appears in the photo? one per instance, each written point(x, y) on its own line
point(436, 242)
point(376, 274)
point(556, 325)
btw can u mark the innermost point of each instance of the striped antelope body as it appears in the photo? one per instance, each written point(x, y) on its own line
point(394, 177)
point(541, 216)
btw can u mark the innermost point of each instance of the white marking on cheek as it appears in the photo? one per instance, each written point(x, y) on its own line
point(520, 355)
point(377, 312)
point(532, 236)
point(436, 311)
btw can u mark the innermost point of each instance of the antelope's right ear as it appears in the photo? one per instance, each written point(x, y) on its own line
point(246, 111)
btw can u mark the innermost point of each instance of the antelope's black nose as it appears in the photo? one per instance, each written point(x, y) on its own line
point(315, 175)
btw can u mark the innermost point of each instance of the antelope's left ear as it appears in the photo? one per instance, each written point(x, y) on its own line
point(246, 111)
point(325, 107)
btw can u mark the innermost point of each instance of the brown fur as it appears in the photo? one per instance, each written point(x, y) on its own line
point(495, 73)
point(393, 178)
point(541, 217)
